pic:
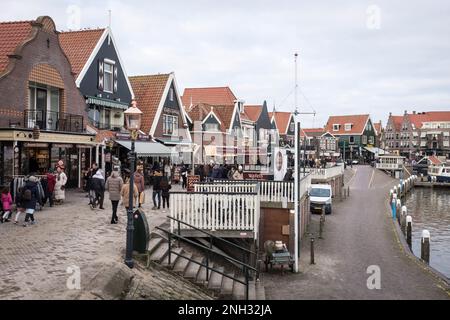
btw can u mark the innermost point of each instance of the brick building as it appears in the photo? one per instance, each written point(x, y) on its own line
point(42, 113)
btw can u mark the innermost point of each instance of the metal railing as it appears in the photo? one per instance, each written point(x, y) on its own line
point(53, 121)
point(246, 268)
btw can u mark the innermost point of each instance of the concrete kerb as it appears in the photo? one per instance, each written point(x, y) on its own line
point(405, 249)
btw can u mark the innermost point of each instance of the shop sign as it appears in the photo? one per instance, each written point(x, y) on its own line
point(126, 136)
point(255, 176)
point(36, 145)
point(63, 146)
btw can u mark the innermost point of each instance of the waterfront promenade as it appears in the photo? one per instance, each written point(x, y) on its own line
point(358, 234)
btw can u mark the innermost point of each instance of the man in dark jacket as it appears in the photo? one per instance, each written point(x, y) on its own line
point(51, 181)
point(98, 185)
point(30, 196)
point(157, 175)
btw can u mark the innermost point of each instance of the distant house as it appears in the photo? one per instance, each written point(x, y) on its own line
point(284, 122)
point(319, 143)
point(379, 135)
point(417, 134)
point(355, 133)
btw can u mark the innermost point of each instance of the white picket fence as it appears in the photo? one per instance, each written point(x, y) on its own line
point(216, 211)
point(226, 187)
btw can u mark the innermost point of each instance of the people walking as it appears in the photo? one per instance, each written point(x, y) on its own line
point(140, 183)
point(184, 173)
point(157, 176)
point(90, 174)
point(125, 194)
point(6, 203)
point(168, 171)
point(165, 192)
point(51, 182)
point(98, 185)
point(19, 204)
point(61, 180)
point(114, 185)
point(30, 197)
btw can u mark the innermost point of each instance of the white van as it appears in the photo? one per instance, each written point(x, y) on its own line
point(320, 196)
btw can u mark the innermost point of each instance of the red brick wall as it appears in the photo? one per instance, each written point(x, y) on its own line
point(47, 64)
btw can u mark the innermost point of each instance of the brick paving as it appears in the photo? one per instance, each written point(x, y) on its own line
point(34, 259)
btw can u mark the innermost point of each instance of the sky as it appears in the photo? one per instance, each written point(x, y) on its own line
point(354, 57)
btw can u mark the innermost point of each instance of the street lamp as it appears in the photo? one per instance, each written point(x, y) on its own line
point(133, 123)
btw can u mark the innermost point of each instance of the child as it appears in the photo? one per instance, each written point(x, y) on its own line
point(6, 202)
point(19, 205)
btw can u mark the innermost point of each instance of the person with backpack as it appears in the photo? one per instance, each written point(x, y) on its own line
point(30, 197)
point(157, 176)
point(98, 185)
point(6, 203)
point(165, 188)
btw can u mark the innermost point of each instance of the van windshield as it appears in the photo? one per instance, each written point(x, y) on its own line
point(317, 192)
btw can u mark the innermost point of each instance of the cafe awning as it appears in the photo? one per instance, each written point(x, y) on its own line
point(106, 102)
point(376, 151)
point(148, 148)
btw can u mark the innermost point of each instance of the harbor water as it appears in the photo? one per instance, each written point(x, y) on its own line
point(430, 210)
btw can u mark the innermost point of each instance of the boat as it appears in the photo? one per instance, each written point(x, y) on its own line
point(441, 172)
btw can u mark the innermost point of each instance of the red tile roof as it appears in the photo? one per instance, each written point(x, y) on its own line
point(358, 124)
point(199, 111)
point(12, 35)
point(148, 91)
point(253, 112)
point(282, 120)
point(434, 160)
point(312, 132)
point(377, 127)
point(78, 46)
point(432, 116)
point(213, 96)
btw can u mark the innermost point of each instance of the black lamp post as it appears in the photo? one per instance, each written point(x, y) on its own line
point(133, 123)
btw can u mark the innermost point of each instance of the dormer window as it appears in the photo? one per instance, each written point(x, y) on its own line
point(171, 94)
point(348, 127)
point(336, 127)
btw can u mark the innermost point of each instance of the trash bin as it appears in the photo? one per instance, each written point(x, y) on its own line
point(141, 235)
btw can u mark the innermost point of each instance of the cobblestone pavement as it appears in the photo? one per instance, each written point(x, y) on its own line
point(34, 260)
point(358, 234)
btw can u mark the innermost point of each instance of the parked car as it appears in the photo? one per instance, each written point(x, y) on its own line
point(355, 162)
point(320, 196)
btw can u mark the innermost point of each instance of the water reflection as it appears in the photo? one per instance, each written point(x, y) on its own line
point(430, 209)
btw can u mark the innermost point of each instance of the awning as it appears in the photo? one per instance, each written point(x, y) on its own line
point(376, 151)
point(106, 103)
point(147, 148)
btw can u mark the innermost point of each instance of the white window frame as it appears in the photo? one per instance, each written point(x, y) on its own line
point(109, 73)
point(171, 94)
point(336, 126)
point(174, 131)
point(348, 127)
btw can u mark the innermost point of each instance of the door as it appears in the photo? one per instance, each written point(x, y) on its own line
point(41, 108)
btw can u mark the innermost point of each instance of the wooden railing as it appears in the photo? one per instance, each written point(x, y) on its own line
point(217, 211)
point(227, 187)
point(388, 166)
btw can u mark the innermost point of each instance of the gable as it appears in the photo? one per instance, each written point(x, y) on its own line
point(291, 127)
point(89, 81)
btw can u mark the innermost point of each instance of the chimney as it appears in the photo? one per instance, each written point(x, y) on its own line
point(390, 114)
point(414, 112)
point(406, 111)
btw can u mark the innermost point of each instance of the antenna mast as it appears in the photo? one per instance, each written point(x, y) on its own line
point(296, 85)
point(109, 26)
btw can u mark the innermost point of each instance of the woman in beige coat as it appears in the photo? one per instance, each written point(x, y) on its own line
point(114, 186)
point(125, 194)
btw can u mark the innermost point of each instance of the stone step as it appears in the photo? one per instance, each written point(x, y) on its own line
point(226, 291)
point(239, 289)
point(182, 263)
point(193, 268)
point(216, 279)
point(173, 257)
point(153, 244)
point(160, 253)
point(260, 291)
point(201, 275)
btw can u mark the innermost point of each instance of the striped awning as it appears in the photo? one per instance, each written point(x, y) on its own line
point(147, 148)
point(106, 103)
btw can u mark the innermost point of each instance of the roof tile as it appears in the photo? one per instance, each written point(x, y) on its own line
point(358, 124)
point(12, 34)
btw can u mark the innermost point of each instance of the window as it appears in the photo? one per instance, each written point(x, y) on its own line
point(108, 77)
point(44, 102)
point(369, 127)
point(348, 127)
point(336, 127)
point(170, 125)
point(212, 127)
point(352, 139)
point(364, 139)
point(292, 127)
point(371, 140)
point(171, 94)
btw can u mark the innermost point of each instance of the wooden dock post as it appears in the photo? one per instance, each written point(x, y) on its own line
point(403, 219)
point(425, 246)
point(409, 231)
point(398, 210)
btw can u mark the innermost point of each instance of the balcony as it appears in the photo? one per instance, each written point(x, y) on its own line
point(53, 121)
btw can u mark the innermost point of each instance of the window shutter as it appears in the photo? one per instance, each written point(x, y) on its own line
point(115, 79)
point(100, 75)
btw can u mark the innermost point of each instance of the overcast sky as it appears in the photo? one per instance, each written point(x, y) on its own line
point(354, 56)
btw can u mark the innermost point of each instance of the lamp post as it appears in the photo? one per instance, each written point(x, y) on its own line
point(133, 123)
